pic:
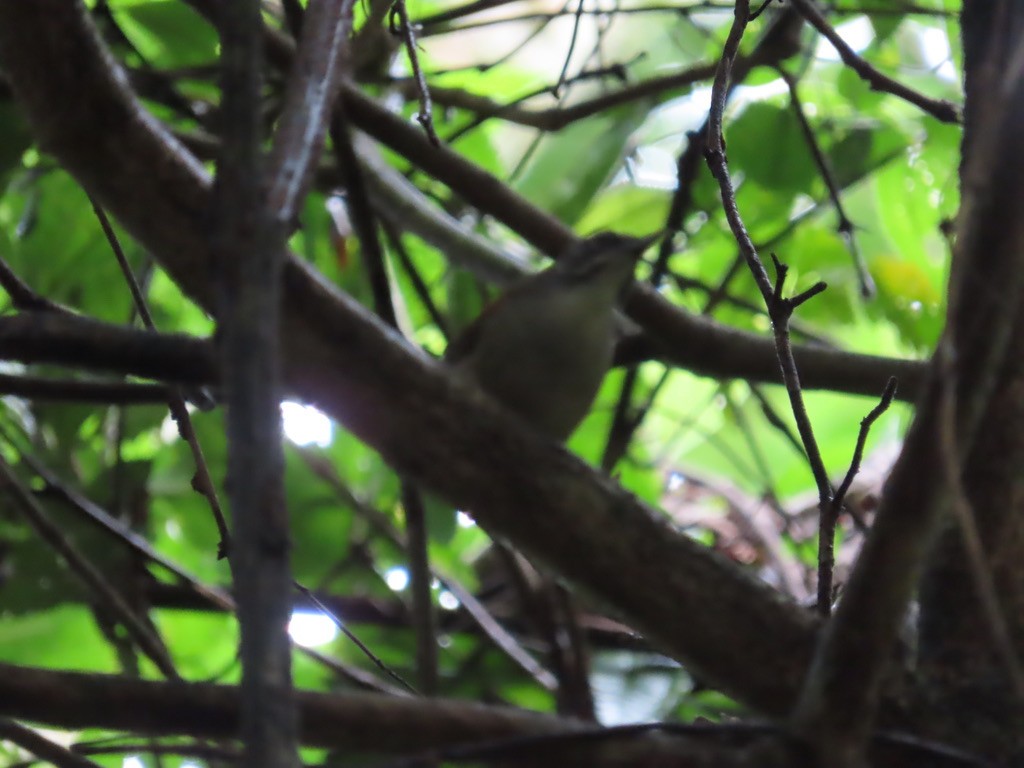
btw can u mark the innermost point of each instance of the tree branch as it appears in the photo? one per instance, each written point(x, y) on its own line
point(248, 253)
point(978, 358)
point(72, 340)
point(309, 99)
point(425, 425)
point(353, 721)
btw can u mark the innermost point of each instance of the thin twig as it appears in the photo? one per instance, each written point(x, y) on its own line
point(355, 640)
point(22, 296)
point(424, 614)
point(491, 627)
point(556, 118)
point(405, 28)
point(514, 106)
point(827, 522)
point(497, 634)
point(418, 285)
point(202, 481)
point(534, 33)
point(124, 536)
point(49, 751)
point(779, 309)
point(350, 673)
point(775, 420)
point(845, 226)
point(465, 10)
point(940, 109)
point(865, 426)
point(141, 632)
point(764, 5)
point(365, 222)
point(557, 91)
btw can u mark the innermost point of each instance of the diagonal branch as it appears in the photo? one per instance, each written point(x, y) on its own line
point(698, 344)
point(940, 109)
point(309, 99)
point(138, 627)
point(406, 406)
point(41, 747)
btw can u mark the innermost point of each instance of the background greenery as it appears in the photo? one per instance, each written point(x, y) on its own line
point(703, 445)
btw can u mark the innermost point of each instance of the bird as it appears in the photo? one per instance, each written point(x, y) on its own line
point(543, 347)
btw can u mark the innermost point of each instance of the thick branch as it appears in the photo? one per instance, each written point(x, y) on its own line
point(342, 359)
point(65, 339)
point(354, 721)
point(978, 360)
point(249, 255)
point(312, 89)
point(694, 343)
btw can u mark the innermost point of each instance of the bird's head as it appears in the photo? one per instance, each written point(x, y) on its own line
point(605, 261)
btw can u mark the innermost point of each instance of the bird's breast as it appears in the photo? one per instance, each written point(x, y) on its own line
point(550, 366)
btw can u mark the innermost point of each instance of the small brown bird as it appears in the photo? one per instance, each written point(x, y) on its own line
point(543, 348)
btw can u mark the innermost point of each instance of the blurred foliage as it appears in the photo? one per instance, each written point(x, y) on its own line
point(896, 169)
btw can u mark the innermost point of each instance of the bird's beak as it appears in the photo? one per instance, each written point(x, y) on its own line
point(643, 243)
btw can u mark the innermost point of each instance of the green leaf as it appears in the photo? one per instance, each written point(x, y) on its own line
point(570, 166)
point(863, 149)
point(766, 145)
point(64, 254)
point(168, 34)
point(885, 25)
point(628, 209)
point(57, 639)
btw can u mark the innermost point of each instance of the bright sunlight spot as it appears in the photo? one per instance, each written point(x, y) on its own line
point(132, 761)
point(305, 425)
point(173, 529)
point(311, 629)
point(168, 430)
point(937, 54)
point(856, 33)
point(447, 600)
point(397, 578)
point(463, 520)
